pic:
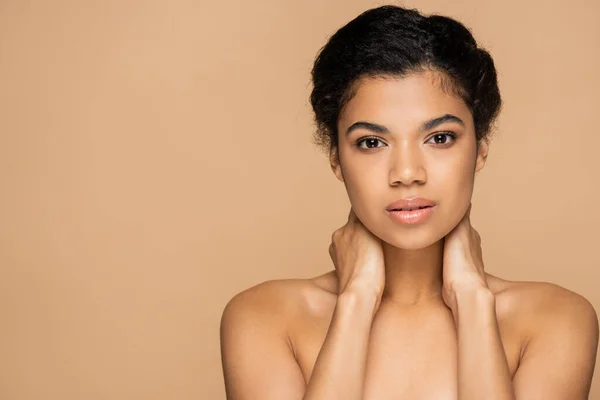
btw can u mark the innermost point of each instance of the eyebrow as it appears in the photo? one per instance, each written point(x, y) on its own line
point(427, 125)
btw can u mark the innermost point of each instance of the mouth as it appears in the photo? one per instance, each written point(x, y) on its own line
point(410, 208)
point(410, 204)
point(411, 215)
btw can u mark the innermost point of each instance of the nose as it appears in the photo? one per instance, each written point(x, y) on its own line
point(406, 165)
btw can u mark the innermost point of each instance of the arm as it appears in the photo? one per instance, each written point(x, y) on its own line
point(483, 371)
point(339, 371)
point(558, 362)
point(258, 362)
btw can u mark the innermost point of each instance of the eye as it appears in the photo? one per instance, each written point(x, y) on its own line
point(442, 138)
point(371, 142)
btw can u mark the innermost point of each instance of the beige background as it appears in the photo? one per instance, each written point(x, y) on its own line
point(155, 159)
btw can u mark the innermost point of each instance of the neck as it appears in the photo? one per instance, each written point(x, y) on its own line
point(413, 276)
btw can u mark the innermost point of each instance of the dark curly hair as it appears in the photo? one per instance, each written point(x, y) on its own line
point(394, 41)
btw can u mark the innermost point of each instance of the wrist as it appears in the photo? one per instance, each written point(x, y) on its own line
point(472, 300)
point(473, 294)
point(363, 288)
point(469, 288)
point(354, 301)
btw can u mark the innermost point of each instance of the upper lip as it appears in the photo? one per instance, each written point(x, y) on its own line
point(412, 203)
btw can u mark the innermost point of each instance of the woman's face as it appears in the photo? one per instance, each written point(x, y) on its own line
point(393, 145)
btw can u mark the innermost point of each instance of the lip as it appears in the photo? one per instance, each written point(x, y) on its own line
point(414, 203)
point(400, 210)
point(412, 217)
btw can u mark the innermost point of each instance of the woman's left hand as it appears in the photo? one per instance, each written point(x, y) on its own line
point(462, 261)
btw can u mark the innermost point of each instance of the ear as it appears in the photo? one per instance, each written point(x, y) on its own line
point(334, 162)
point(482, 153)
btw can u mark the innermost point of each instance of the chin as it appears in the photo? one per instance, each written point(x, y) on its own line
point(412, 241)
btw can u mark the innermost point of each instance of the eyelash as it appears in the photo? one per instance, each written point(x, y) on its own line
point(361, 140)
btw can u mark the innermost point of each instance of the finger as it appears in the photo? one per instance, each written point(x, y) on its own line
point(477, 235)
point(351, 215)
point(464, 225)
point(467, 217)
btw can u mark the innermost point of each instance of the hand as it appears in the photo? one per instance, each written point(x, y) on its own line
point(463, 267)
point(358, 258)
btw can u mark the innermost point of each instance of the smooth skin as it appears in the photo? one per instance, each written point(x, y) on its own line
point(409, 311)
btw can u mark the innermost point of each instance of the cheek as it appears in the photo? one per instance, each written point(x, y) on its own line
point(366, 186)
point(465, 179)
point(455, 182)
point(456, 190)
point(365, 190)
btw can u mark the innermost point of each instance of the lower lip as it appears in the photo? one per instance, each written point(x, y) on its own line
point(411, 217)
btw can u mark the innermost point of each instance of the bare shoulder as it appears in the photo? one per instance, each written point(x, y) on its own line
point(540, 306)
point(283, 300)
point(258, 358)
point(558, 332)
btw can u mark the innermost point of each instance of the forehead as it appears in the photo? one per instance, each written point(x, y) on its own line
point(402, 102)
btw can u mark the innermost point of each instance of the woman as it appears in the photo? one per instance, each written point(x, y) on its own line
point(404, 103)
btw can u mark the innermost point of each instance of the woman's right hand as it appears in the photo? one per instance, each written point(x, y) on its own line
point(358, 258)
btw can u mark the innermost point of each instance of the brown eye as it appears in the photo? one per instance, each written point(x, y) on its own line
point(443, 138)
point(370, 142)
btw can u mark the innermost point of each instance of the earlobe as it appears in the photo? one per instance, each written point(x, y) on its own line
point(334, 162)
point(482, 153)
point(337, 170)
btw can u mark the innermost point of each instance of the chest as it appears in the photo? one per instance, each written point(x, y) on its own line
point(411, 356)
